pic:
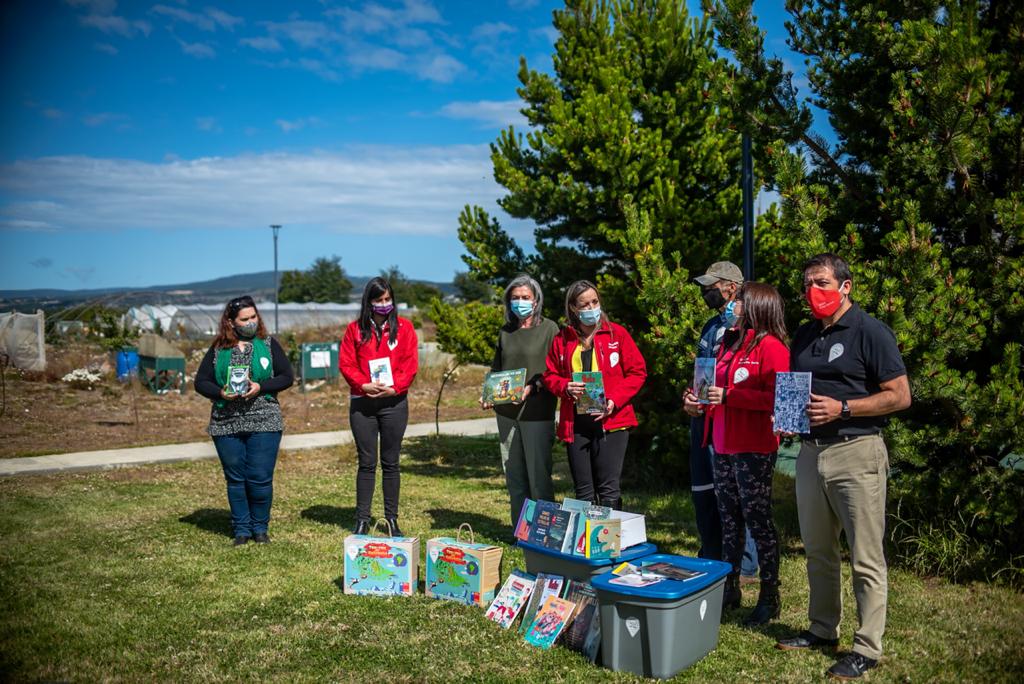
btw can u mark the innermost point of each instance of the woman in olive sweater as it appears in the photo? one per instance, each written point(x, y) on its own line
point(526, 429)
point(245, 419)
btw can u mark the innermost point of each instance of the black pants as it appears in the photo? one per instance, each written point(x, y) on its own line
point(702, 491)
point(387, 418)
point(743, 483)
point(595, 461)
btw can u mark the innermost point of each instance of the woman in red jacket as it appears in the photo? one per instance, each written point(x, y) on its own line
point(745, 444)
point(379, 360)
point(595, 443)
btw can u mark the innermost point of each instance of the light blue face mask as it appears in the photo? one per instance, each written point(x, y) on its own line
point(522, 307)
point(730, 313)
point(590, 316)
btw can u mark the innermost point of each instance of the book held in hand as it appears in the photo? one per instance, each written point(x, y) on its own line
point(593, 399)
point(380, 371)
point(703, 378)
point(511, 599)
point(792, 394)
point(238, 380)
point(504, 387)
point(550, 621)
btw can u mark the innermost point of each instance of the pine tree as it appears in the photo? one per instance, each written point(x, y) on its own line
point(324, 281)
point(923, 194)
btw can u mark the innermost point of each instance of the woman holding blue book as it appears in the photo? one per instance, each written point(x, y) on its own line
point(745, 444)
point(526, 428)
point(379, 359)
point(595, 368)
point(241, 374)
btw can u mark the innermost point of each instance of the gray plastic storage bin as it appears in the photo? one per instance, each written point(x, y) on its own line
point(663, 628)
point(539, 559)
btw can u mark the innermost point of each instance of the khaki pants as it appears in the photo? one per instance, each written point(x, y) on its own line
point(526, 459)
point(841, 488)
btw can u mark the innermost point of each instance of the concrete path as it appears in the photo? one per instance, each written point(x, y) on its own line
point(194, 451)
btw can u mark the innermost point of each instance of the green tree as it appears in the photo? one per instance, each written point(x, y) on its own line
point(923, 194)
point(325, 281)
point(414, 293)
point(632, 110)
point(466, 331)
point(470, 289)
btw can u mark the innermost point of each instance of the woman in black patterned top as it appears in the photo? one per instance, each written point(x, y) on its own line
point(242, 373)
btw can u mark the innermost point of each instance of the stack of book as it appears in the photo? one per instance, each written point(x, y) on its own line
point(579, 528)
point(645, 574)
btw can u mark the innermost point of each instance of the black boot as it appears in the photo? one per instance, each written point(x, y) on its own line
point(768, 607)
point(393, 524)
point(731, 595)
point(362, 526)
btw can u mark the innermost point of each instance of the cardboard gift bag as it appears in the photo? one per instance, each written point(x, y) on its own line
point(463, 571)
point(381, 566)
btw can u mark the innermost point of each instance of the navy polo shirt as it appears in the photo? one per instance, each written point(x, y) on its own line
point(848, 360)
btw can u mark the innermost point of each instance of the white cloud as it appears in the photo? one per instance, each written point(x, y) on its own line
point(101, 118)
point(550, 33)
point(442, 68)
point(210, 21)
point(208, 124)
point(368, 190)
point(297, 124)
point(379, 58)
point(490, 113)
point(95, 6)
point(197, 50)
point(262, 43)
point(53, 113)
point(223, 18)
point(106, 48)
point(305, 34)
point(110, 23)
point(522, 4)
point(375, 18)
point(491, 30)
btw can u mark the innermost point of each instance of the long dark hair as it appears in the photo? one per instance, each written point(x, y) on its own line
point(764, 312)
point(375, 289)
point(574, 291)
point(226, 336)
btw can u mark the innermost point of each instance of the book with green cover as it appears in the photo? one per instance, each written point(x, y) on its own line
point(593, 399)
point(504, 387)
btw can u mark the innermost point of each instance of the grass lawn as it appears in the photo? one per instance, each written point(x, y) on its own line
point(130, 575)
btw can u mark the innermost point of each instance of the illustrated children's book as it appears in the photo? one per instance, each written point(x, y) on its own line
point(603, 538)
point(511, 599)
point(380, 371)
point(792, 394)
point(238, 380)
point(593, 399)
point(545, 586)
point(463, 571)
point(528, 517)
point(504, 387)
point(550, 528)
point(580, 625)
point(703, 378)
point(383, 566)
point(550, 621)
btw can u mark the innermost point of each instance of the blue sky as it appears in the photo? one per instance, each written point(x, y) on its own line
point(149, 143)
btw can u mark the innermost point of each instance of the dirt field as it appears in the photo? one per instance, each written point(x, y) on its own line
point(43, 415)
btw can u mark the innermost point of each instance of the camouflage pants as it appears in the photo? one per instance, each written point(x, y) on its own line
point(743, 485)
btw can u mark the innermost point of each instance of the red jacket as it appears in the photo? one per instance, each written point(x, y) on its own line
point(622, 368)
point(354, 359)
point(750, 396)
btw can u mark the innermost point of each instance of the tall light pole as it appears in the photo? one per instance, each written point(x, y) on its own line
point(747, 182)
point(275, 227)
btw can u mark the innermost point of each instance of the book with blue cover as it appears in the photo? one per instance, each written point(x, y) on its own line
point(703, 378)
point(792, 394)
point(550, 621)
point(593, 398)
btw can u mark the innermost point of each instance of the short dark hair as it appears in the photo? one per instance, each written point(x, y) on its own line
point(835, 263)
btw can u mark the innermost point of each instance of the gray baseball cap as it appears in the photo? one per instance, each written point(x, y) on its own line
point(720, 270)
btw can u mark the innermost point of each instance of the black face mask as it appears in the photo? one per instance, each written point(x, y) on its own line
point(713, 297)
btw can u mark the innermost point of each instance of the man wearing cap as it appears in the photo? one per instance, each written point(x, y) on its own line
point(857, 379)
point(719, 286)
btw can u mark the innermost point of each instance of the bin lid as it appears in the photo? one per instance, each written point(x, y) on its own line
point(629, 554)
point(668, 589)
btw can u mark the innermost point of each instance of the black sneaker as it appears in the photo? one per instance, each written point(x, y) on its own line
point(362, 526)
point(851, 666)
point(805, 640)
point(261, 538)
point(241, 540)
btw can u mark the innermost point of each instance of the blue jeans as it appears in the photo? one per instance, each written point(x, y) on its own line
point(248, 459)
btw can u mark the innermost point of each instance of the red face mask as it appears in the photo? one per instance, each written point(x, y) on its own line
point(823, 303)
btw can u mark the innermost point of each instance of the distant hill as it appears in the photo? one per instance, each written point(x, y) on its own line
point(260, 285)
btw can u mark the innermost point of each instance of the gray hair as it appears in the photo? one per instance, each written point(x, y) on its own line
point(523, 280)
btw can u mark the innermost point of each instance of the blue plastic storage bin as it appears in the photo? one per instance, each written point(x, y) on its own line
point(663, 628)
point(541, 559)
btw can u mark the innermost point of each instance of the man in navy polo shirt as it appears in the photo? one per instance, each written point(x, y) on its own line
point(858, 378)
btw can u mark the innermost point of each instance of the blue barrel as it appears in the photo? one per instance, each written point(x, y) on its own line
point(127, 364)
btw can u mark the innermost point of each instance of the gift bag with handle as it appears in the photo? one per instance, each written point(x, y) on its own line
point(459, 569)
point(381, 565)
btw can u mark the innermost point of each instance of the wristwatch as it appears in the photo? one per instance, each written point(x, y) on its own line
point(844, 413)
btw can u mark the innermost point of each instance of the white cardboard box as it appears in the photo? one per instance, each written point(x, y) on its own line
point(634, 529)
